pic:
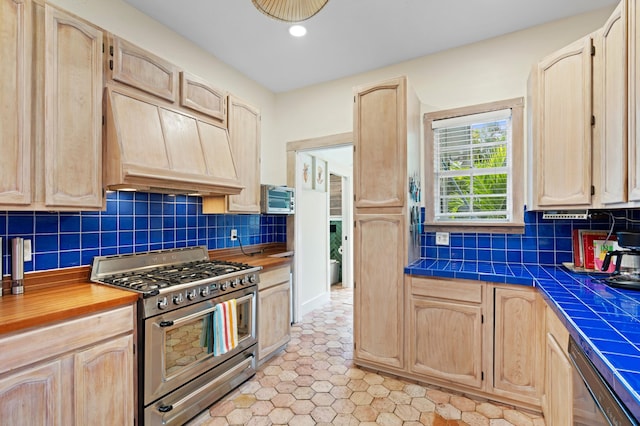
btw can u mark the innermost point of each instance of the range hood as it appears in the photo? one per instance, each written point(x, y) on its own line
point(152, 147)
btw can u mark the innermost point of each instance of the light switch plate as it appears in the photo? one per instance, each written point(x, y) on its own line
point(442, 238)
point(26, 251)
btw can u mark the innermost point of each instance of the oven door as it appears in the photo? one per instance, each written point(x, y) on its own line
point(179, 344)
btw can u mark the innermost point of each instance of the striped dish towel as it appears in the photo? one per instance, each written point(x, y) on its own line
point(226, 327)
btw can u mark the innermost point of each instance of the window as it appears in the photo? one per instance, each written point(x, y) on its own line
point(474, 167)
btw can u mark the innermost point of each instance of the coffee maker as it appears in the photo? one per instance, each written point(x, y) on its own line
point(628, 275)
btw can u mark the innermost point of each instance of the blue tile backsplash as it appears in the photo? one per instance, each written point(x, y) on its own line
point(544, 242)
point(132, 222)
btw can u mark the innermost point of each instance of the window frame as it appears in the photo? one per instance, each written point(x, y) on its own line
point(516, 224)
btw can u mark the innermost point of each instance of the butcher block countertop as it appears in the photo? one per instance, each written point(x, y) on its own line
point(63, 294)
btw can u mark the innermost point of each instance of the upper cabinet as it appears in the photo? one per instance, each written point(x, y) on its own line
point(51, 93)
point(243, 121)
point(610, 105)
point(244, 131)
point(380, 133)
point(131, 65)
point(633, 13)
point(198, 95)
point(584, 105)
point(15, 92)
point(73, 112)
point(560, 137)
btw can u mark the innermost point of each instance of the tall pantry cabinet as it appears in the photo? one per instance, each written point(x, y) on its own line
point(386, 153)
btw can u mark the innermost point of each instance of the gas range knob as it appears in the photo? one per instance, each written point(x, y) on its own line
point(178, 299)
point(243, 281)
point(204, 291)
point(234, 282)
point(192, 294)
point(223, 286)
point(252, 278)
point(162, 303)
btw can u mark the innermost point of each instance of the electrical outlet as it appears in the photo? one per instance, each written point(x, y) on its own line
point(27, 250)
point(442, 238)
point(234, 234)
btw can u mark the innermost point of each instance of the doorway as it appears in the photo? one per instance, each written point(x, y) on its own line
point(308, 231)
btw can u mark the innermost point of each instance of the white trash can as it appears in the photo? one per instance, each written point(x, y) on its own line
point(334, 271)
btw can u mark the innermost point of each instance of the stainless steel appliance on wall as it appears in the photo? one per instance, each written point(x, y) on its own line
point(277, 199)
point(594, 402)
point(188, 357)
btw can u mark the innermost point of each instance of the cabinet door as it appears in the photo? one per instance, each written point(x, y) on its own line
point(15, 120)
point(611, 118)
point(143, 70)
point(200, 96)
point(73, 114)
point(34, 396)
point(445, 340)
point(558, 398)
point(244, 133)
point(274, 322)
point(634, 101)
point(562, 128)
point(378, 303)
point(104, 386)
point(380, 139)
point(518, 344)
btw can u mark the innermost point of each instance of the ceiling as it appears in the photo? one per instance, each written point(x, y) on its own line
point(348, 36)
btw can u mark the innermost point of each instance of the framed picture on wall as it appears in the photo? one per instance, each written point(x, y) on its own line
point(320, 174)
point(305, 171)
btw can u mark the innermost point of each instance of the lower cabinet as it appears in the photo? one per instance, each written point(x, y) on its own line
point(76, 372)
point(274, 320)
point(478, 337)
point(445, 332)
point(518, 351)
point(557, 402)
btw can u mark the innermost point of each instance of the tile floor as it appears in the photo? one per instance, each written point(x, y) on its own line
point(314, 381)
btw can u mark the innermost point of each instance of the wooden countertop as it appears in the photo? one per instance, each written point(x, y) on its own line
point(63, 302)
point(63, 294)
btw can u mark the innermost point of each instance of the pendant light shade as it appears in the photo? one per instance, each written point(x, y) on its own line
point(290, 10)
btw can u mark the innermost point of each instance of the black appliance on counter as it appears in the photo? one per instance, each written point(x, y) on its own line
point(180, 370)
point(625, 276)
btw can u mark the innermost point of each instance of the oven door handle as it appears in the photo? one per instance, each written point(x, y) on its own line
point(186, 318)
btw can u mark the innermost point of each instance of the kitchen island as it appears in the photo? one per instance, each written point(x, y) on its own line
point(603, 320)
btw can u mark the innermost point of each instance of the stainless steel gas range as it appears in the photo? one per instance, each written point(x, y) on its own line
point(196, 328)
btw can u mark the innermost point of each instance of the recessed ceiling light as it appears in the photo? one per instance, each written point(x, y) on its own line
point(297, 30)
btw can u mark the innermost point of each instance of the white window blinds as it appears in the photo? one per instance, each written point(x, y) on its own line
point(472, 167)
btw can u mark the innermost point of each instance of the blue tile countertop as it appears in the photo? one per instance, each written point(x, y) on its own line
point(605, 321)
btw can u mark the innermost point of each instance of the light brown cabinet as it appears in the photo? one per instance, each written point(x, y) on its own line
point(633, 13)
point(198, 95)
point(560, 93)
point(439, 310)
point(378, 295)
point(244, 132)
point(518, 353)
point(274, 324)
point(138, 68)
point(52, 79)
point(244, 123)
point(477, 337)
point(16, 49)
point(73, 82)
point(610, 107)
point(557, 402)
point(386, 153)
point(83, 376)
